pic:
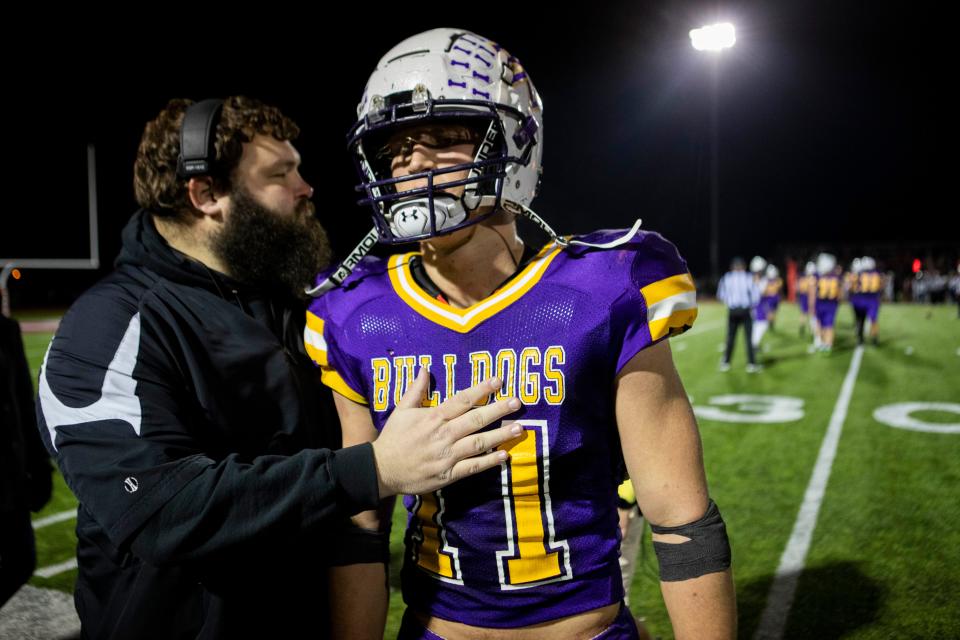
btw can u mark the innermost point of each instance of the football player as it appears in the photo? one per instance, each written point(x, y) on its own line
point(825, 298)
point(804, 284)
point(758, 267)
point(448, 145)
point(865, 293)
point(769, 300)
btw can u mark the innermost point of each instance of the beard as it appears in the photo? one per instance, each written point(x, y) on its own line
point(267, 249)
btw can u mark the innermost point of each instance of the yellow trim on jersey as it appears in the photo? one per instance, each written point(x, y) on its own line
point(464, 320)
point(332, 379)
point(676, 323)
point(314, 341)
point(668, 287)
point(316, 346)
point(671, 305)
point(315, 322)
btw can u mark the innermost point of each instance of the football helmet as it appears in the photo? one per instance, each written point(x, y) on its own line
point(826, 263)
point(810, 269)
point(868, 264)
point(772, 272)
point(441, 82)
point(757, 264)
point(448, 76)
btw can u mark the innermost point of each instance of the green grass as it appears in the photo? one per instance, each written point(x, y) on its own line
point(885, 556)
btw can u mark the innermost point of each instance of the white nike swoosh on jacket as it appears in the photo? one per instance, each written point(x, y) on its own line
point(118, 399)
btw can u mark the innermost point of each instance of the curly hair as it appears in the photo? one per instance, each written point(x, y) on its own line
point(157, 186)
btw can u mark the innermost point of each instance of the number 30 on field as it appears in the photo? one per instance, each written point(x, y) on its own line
point(764, 409)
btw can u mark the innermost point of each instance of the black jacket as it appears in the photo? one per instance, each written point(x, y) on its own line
point(25, 471)
point(191, 426)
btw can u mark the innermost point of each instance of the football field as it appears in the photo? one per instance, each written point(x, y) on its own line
point(838, 476)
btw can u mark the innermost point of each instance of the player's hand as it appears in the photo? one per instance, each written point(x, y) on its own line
point(421, 449)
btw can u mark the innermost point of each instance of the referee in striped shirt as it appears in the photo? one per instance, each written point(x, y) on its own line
point(739, 291)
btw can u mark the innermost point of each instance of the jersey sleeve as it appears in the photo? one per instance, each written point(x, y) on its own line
point(660, 299)
point(324, 340)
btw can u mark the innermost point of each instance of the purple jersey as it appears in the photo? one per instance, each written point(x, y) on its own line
point(760, 311)
point(803, 291)
point(769, 298)
point(536, 539)
point(772, 287)
point(770, 303)
point(865, 293)
point(867, 283)
point(827, 287)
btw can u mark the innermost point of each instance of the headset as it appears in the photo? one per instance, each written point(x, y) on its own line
point(197, 135)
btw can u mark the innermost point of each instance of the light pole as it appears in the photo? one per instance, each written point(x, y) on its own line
point(714, 39)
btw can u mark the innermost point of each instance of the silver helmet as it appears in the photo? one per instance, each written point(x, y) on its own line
point(448, 76)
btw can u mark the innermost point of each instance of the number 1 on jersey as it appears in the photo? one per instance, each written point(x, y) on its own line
point(533, 556)
point(525, 477)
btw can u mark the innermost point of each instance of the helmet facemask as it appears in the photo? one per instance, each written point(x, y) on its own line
point(404, 214)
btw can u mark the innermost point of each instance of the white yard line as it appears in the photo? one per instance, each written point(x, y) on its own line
point(62, 567)
point(55, 569)
point(784, 588)
point(55, 518)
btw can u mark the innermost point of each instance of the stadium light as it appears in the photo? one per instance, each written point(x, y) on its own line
point(713, 37)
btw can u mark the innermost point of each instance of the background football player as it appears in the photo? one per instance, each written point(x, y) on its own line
point(771, 293)
point(867, 285)
point(825, 298)
point(448, 145)
point(758, 267)
point(804, 284)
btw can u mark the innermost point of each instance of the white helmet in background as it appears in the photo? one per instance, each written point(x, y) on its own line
point(757, 264)
point(772, 272)
point(856, 265)
point(868, 264)
point(438, 77)
point(826, 262)
point(810, 269)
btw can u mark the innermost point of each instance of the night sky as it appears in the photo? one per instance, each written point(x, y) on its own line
point(835, 126)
